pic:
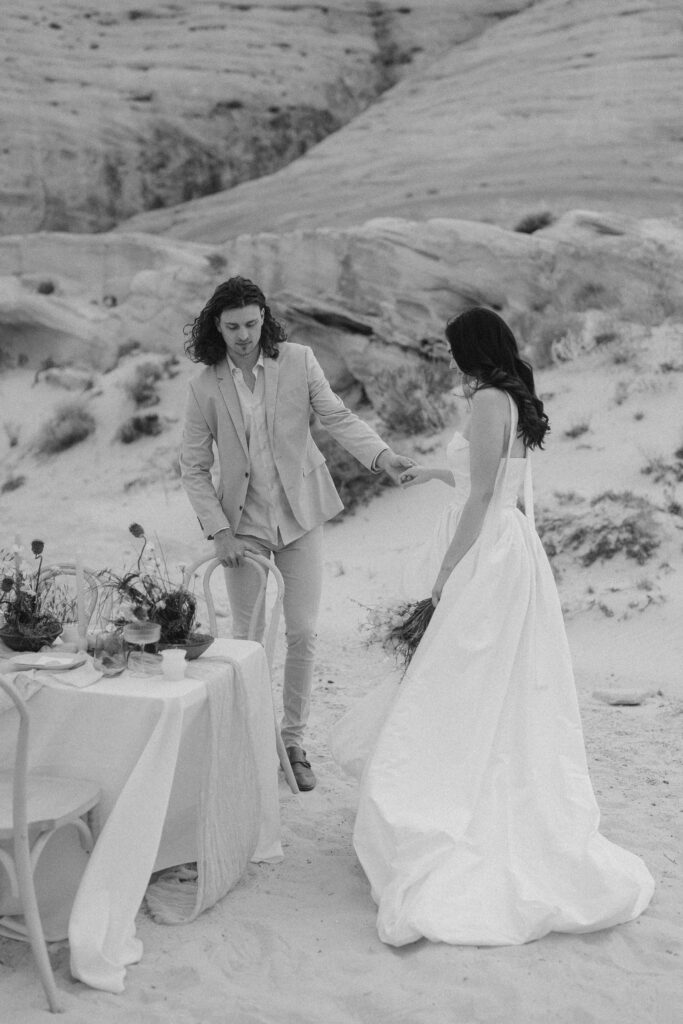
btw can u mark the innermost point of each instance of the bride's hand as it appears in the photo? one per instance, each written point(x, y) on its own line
point(414, 475)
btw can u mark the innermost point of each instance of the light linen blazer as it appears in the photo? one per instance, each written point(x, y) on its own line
point(295, 387)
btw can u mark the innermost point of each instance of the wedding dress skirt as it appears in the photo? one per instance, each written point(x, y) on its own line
point(477, 823)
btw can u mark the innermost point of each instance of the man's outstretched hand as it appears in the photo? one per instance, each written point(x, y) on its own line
point(393, 465)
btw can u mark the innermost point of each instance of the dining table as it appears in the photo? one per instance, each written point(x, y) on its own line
point(188, 771)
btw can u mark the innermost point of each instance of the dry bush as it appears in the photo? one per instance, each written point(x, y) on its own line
point(70, 424)
point(415, 399)
point(217, 262)
point(141, 385)
point(665, 471)
point(578, 429)
point(547, 337)
point(612, 523)
point(12, 483)
point(592, 295)
point(139, 426)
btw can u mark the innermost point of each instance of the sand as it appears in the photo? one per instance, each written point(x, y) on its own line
point(295, 943)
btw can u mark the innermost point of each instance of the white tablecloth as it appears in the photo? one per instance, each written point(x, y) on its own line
point(144, 741)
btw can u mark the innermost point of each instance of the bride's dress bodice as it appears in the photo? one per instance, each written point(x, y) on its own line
point(423, 567)
point(458, 461)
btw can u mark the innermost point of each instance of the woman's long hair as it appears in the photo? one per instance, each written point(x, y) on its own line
point(205, 344)
point(485, 349)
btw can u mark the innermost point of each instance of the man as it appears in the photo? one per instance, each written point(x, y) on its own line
point(254, 400)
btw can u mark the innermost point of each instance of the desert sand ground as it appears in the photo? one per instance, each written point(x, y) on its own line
point(295, 943)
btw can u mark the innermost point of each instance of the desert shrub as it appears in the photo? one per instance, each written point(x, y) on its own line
point(139, 426)
point(578, 429)
point(70, 424)
point(12, 483)
point(414, 399)
point(141, 386)
point(547, 338)
point(665, 471)
point(531, 222)
point(591, 295)
point(356, 485)
point(217, 262)
point(610, 524)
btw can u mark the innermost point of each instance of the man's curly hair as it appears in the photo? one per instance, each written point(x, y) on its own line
point(205, 344)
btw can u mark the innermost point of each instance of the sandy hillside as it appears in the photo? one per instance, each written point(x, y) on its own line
point(115, 109)
point(565, 104)
point(295, 943)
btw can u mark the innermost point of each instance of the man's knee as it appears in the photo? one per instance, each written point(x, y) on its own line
point(302, 639)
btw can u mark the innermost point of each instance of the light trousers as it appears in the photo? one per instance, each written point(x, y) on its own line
point(301, 565)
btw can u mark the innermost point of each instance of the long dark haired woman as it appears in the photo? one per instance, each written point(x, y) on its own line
point(486, 354)
point(477, 823)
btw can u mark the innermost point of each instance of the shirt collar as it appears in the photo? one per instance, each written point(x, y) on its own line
point(236, 369)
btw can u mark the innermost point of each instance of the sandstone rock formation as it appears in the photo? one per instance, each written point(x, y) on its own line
point(480, 109)
point(365, 298)
point(109, 110)
point(564, 104)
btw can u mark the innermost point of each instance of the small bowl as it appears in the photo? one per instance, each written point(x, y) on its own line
point(194, 646)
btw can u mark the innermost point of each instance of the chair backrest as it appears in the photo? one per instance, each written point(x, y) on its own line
point(263, 567)
point(91, 593)
point(19, 812)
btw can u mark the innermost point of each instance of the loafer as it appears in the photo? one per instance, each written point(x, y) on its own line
point(303, 773)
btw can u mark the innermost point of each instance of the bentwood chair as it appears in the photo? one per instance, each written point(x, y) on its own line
point(33, 807)
point(263, 567)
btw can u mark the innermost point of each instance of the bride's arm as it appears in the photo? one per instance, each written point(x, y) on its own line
point(422, 474)
point(486, 444)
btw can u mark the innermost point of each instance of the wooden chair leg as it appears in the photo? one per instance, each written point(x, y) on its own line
point(34, 927)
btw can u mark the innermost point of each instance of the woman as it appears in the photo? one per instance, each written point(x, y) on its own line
point(477, 823)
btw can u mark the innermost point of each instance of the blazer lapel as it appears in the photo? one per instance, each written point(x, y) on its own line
point(271, 370)
point(229, 392)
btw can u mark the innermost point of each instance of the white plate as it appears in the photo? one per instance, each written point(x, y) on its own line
point(52, 662)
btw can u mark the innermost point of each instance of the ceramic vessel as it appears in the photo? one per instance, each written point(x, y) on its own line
point(17, 641)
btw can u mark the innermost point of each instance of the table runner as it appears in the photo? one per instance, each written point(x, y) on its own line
point(226, 834)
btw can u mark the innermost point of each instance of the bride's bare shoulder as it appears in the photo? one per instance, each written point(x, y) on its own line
point(490, 401)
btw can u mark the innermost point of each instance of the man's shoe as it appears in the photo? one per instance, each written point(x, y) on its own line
point(303, 773)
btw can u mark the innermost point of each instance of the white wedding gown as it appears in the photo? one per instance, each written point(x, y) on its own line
point(477, 823)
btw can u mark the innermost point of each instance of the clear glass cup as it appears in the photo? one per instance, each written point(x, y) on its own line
point(109, 655)
point(141, 635)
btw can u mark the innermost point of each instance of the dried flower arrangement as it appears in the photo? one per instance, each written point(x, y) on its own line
point(30, 604)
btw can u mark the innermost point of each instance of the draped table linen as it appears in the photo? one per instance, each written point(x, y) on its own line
point(184, 766)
